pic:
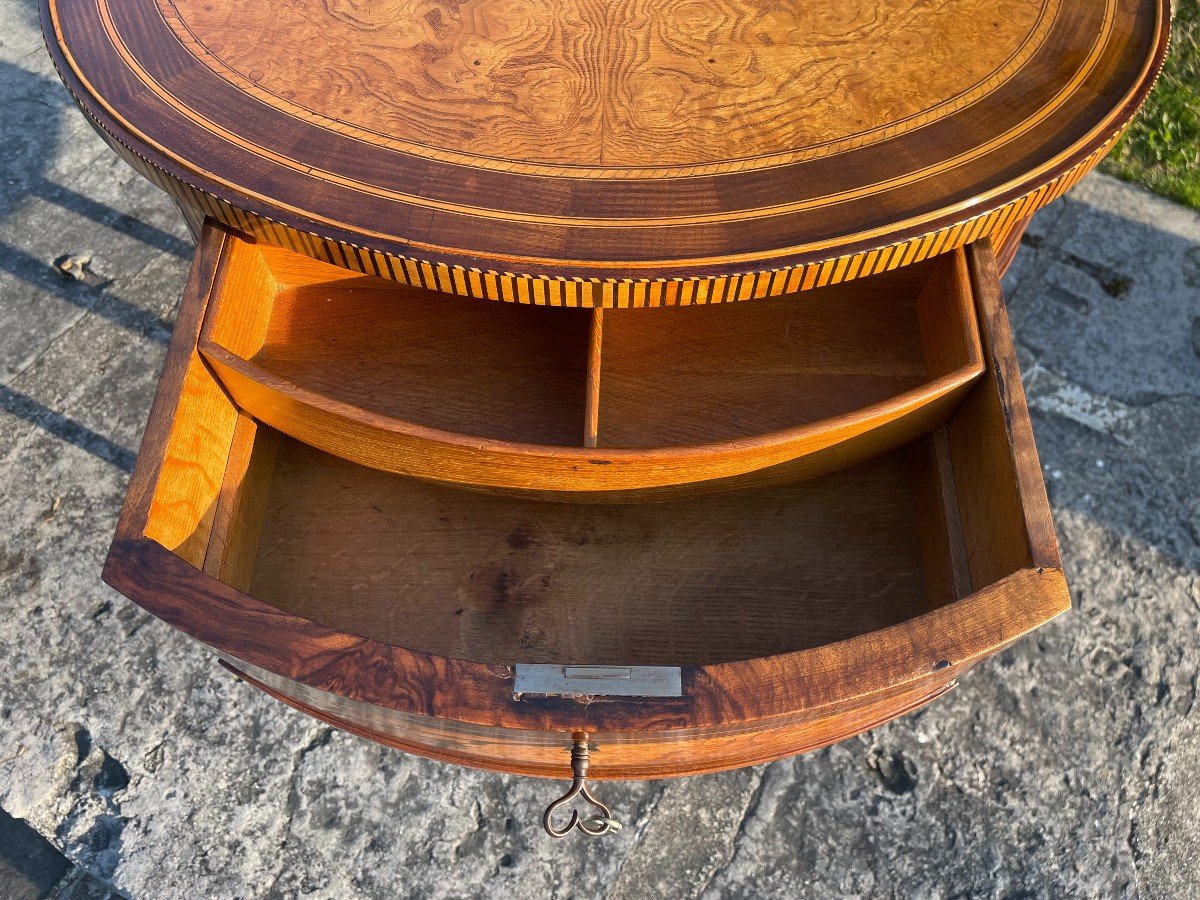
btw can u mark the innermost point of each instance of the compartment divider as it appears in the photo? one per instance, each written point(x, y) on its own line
point(947, 320)
point(591, 414)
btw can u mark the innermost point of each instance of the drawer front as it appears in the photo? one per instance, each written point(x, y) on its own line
point(617, 755)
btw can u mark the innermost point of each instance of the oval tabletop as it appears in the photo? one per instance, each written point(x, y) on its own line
point(612, 152)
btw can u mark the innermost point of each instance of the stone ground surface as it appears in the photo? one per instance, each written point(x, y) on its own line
point(1068, 766)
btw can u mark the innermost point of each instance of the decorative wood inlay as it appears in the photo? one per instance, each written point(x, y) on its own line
point(636, 88)
point(628, 293)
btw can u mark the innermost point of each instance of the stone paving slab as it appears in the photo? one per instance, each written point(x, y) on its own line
point(1067, 766)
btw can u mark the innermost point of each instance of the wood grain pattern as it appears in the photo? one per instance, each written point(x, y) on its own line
point(591, 414)
point(448, 707)
point(639, 86)
point(193, 452)
point(394, 685)
point(241, 504)
point(781, 158)
point(477, 370)
point(938, 520)
point(736, 372)
point(724, 697)
point(509, 399)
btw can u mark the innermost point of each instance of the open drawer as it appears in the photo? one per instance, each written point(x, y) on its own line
point(707, 632)
point(615, 404)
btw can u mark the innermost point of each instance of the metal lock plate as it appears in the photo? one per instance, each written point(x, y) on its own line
point(597, 681)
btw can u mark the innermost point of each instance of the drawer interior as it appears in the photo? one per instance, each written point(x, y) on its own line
point(679, 376)
point(241, 534)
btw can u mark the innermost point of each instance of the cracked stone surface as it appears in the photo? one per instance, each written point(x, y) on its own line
point(1067, 766)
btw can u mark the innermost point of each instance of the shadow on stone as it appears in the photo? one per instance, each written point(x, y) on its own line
point(29, 864)
point(65, 429)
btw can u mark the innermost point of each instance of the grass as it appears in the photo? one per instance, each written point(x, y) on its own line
point(1161, 149)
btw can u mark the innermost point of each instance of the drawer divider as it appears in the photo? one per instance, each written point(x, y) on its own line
point(591, 415)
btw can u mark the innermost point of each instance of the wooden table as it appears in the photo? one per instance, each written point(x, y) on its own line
point(655, 530)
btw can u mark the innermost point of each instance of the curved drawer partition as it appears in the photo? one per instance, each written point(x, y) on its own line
point(589, 404)
point(399, 609)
